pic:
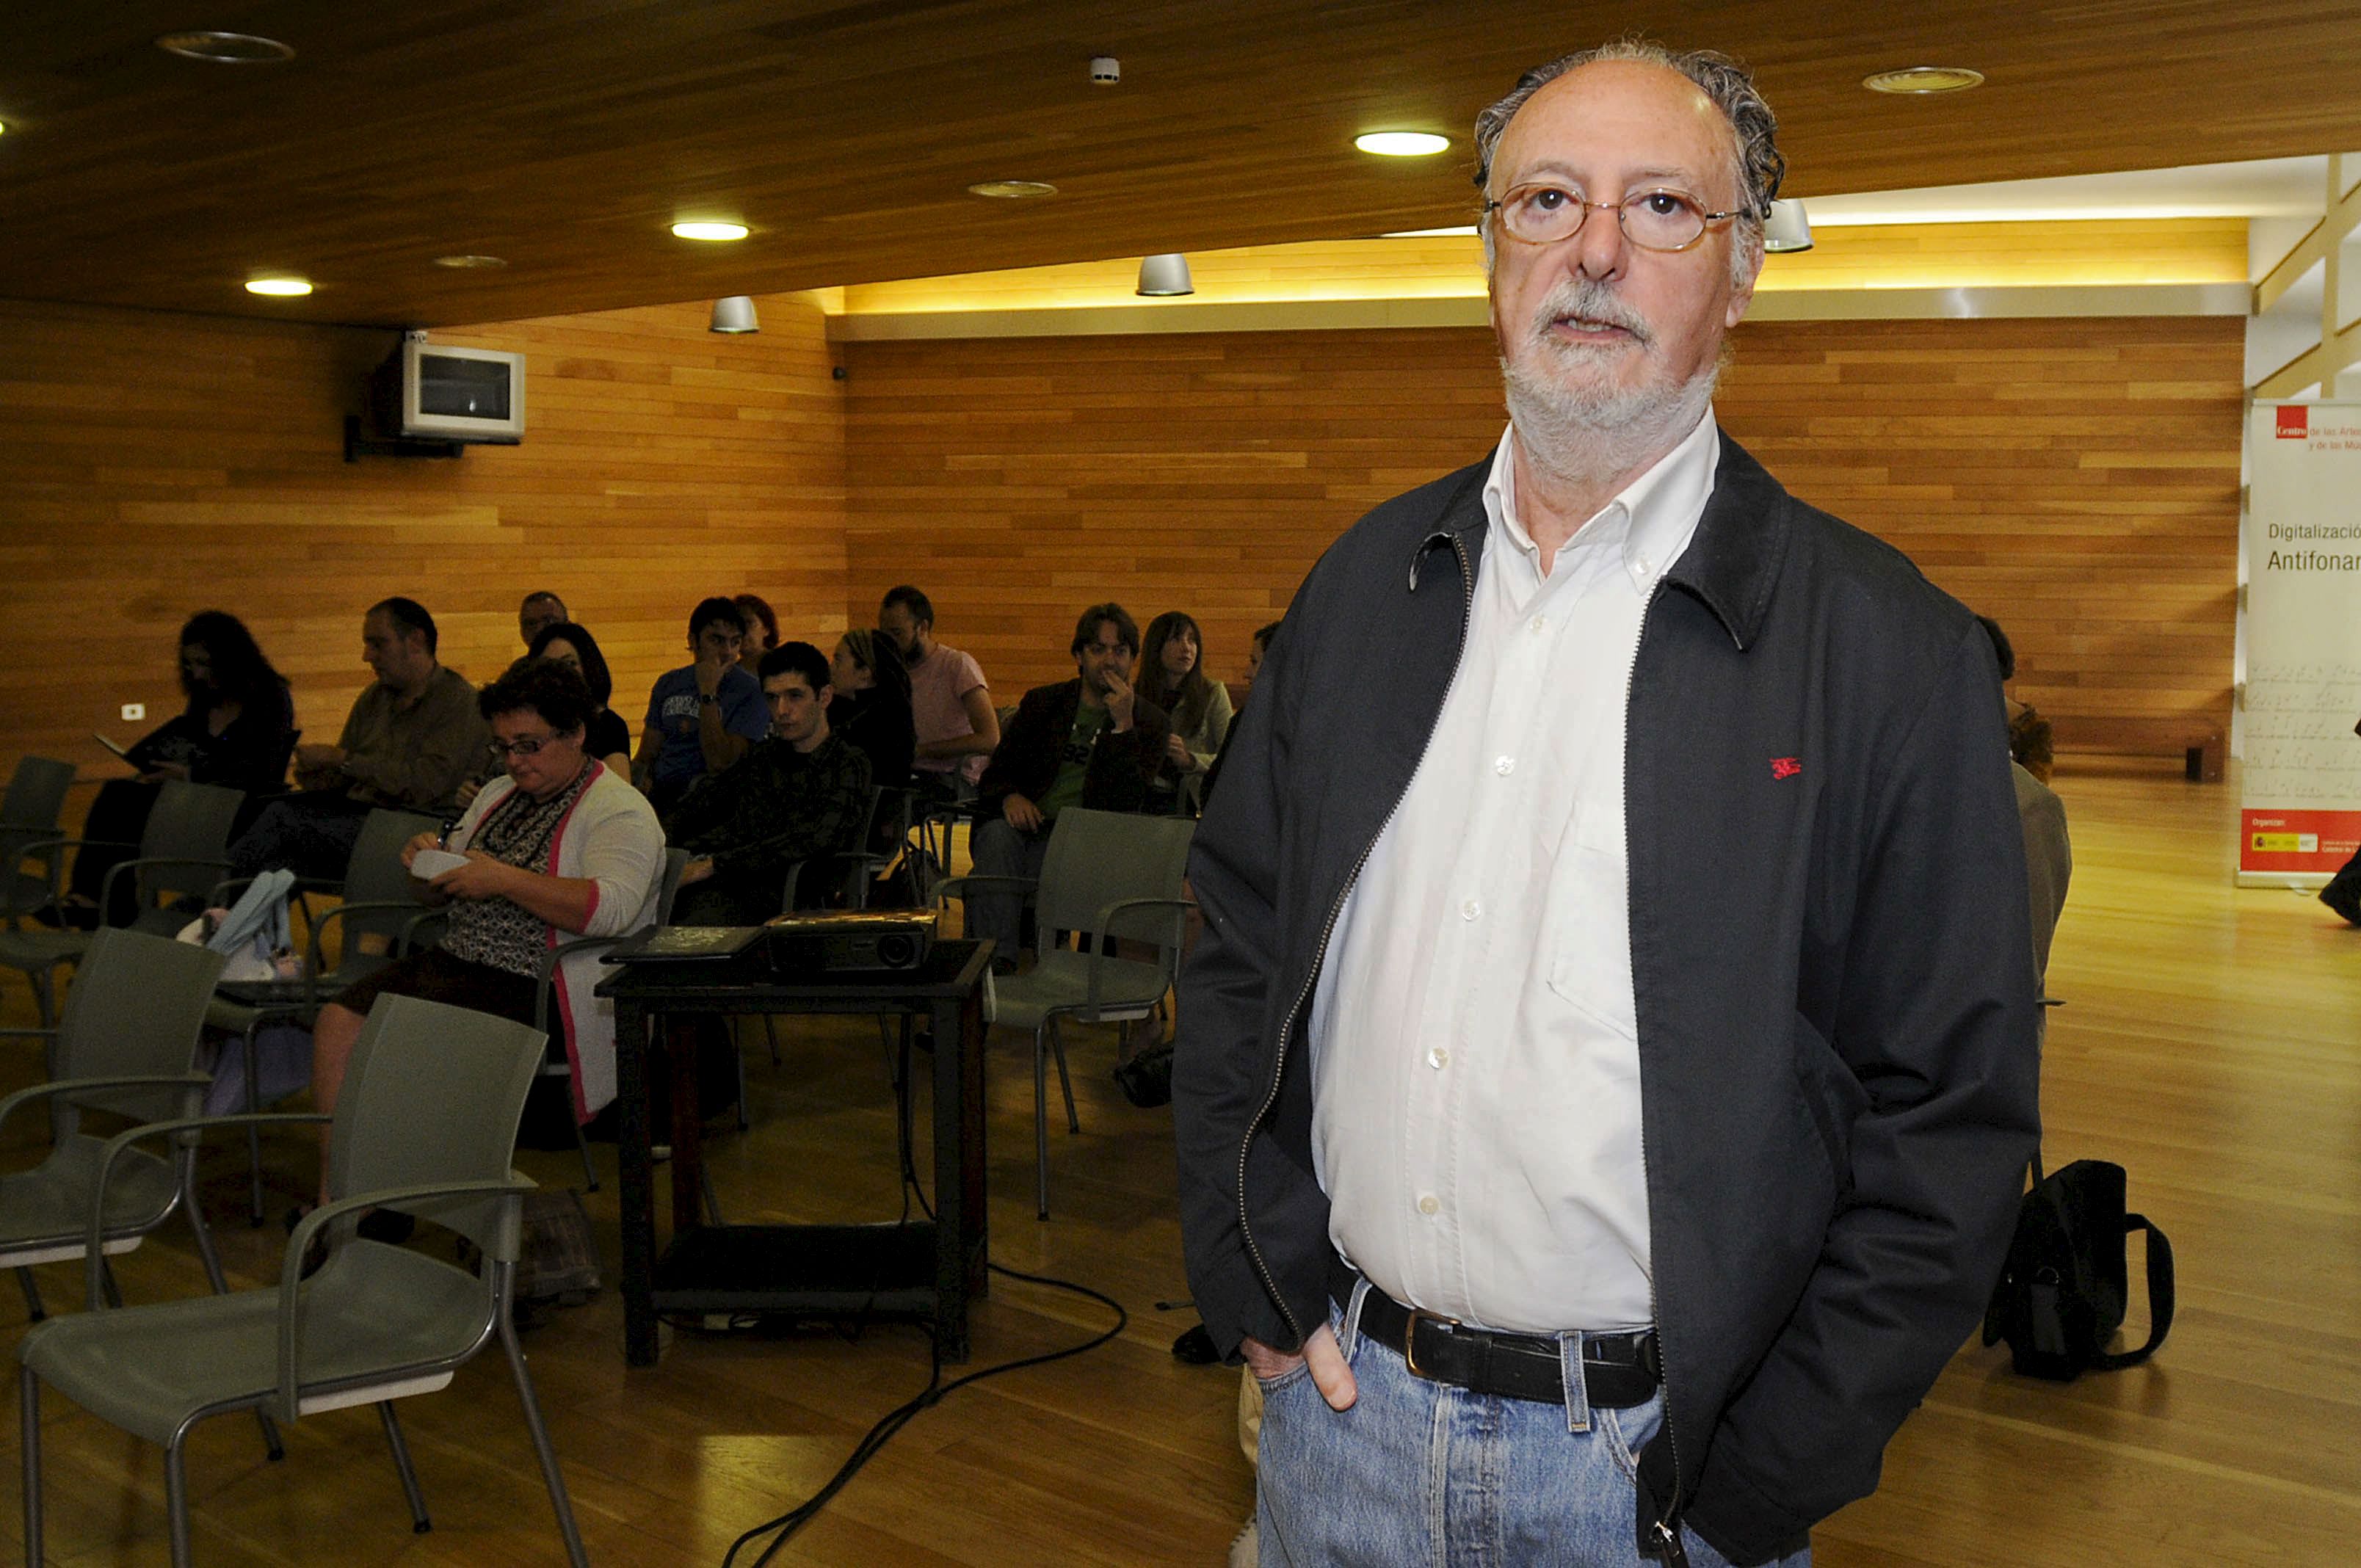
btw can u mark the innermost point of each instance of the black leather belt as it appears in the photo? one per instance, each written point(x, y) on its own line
point(1618, 1371)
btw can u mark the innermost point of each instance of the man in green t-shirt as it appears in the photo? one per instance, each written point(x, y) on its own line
point(1090, 741)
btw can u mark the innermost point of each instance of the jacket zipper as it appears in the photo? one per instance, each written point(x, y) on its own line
point(1665, 1534)
point(1320, 955)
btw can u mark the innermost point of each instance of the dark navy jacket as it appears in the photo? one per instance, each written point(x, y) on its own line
point(1830, 953)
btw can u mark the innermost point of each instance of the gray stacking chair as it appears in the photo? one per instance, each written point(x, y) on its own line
point(127, 1046)
point(183, 853)
point(426, 1126)
point(560, 1065)
point(381, 901)
point(28, 815)
point(1106, 874)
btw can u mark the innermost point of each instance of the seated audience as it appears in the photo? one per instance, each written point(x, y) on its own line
point(1090, 741)
point(1257, 650)
point(606, 737)
point(541, 610)
point(800, 794)
point(871, 705)
point(237, 729)
point(413, 739)
point(761, 632)
point(701, 717)
point(949, 700)
point(1172, 676)
point(2029, 744)
point(557, 847)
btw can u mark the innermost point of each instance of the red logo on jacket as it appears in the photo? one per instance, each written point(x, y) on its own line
point(1785, 767)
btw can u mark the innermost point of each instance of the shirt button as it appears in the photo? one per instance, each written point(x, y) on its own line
point(1504, 766)
point(1438, 1057)
point(1539, 623)
point(1428, 1203)
point(1644, 566)
point(1470, 910)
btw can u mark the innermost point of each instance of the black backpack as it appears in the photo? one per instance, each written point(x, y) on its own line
point(2063, 1291)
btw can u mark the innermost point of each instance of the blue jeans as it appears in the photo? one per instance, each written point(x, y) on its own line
point(1419, 1472)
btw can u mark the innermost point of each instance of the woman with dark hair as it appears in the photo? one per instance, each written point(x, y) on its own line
point(1172, 676)
point(761, 632)
point(605, 736)
point(871, 705)
point(237, 729)
point(557, 846)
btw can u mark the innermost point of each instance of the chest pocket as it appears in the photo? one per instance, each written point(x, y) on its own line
point(1586, 931)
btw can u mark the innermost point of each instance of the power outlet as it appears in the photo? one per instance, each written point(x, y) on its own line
point(133, 712)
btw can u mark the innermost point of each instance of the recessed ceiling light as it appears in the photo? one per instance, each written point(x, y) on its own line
point(1402, 144)
point(278, 287)
point(470, 261)
point(1011, 190)
point(710, 231)
point(1922, 79)
point(225, 49)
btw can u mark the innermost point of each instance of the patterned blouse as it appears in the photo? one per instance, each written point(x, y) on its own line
point(495, 931)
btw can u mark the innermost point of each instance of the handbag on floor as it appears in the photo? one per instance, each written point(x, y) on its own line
point(2064, 1290)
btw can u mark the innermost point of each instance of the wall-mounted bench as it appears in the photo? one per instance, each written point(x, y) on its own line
point(2199, 741)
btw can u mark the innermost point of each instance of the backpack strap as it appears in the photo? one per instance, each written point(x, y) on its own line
point(2159, 1296)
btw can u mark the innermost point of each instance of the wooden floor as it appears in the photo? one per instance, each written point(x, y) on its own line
point(2209, 1043)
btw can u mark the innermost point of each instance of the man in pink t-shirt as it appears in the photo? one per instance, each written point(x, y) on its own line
point(949, 704)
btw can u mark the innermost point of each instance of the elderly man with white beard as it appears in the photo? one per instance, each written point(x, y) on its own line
point(1609, 1066)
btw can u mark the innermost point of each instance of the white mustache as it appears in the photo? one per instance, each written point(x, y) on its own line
point(1591, 303)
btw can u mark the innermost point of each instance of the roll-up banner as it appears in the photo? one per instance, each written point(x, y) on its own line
point(2300, 802)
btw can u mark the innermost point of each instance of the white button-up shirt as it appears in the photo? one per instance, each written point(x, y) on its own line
point(1475, 1118)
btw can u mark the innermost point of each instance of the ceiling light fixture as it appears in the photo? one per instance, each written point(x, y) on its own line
point(1789, 230)
point(1402, 144)
point(470, 261)
point(278, 287)
point(1011, 190)
point(1917, 81)
point(703, 229)
point(1165, 276)
point(734, 314)
point(225, 49)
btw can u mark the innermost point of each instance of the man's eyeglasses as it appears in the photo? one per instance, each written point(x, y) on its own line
point(1662, 219)
point(526, 746)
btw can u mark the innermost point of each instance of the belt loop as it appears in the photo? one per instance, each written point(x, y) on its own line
point(1577, 1392)
point(1352, 1319)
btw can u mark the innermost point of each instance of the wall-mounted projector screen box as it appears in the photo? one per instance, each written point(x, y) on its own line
point(433, 392)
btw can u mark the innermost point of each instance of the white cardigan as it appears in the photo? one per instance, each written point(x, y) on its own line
point(611, 837)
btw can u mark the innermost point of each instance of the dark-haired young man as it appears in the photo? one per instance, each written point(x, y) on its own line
point(800, 794)
point(541, 610)
point(1090, 741)
point(413, 737)
point(703, 716)
point(950, 705)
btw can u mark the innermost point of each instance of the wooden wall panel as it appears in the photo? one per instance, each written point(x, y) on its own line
point(2076, 478)
point(155, 464)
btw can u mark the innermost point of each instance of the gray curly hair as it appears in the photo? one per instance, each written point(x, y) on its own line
point(1757, 165)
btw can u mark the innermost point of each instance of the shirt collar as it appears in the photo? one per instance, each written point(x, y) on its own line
point(1655, 515)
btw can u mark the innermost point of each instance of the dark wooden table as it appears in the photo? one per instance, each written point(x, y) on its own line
point(921, 1268)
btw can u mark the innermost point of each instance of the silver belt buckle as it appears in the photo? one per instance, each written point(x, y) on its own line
point(1410, 1338)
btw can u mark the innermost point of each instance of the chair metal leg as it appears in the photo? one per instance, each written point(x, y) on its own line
point(738, 1060)
point(29, 1441)
point(550, 1474)
point(582, 1142)
point(1057, 1045)
point(253, 1133)
point(106, 1283)
point(176, 1497)
point(419, 1523)
point(771, 1028)
point(271, 1445)
point(32, 1288)
point(1040, 1121)
point(705, 1185)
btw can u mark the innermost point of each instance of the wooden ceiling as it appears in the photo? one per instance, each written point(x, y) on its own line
point(566, 136)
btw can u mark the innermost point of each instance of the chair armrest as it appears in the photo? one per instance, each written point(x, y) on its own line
point(375, 906)
point(56, 1086)
point(957, 886)
point(94, 1259)
point(106, 888)
point(290, 1267)
point(1105, 920)
point(550, 961)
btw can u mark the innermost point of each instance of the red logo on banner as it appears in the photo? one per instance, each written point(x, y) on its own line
point(2291, 421)
point(1785, 767)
